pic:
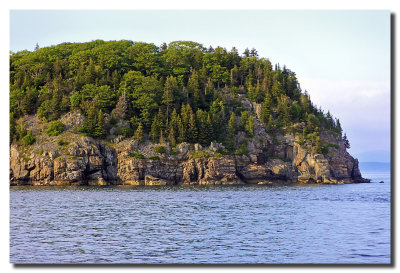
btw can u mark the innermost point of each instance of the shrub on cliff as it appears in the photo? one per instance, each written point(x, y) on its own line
point(29, 139)
point(200, 154)
point(159, 149)
point(61, 142)
point(137, 155)
point(242, 150)
point(55, 128)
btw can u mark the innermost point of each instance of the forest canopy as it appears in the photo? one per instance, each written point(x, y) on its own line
point(177, 92)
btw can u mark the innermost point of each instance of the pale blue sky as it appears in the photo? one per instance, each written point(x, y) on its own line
point(341, 57)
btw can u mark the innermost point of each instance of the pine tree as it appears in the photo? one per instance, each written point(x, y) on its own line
point(162, 139)
point(346, 141)
point(209, 129)
point(170, 88)
point(121, 109)
point(231, 132)
point(203, 136)
point(192, 130)
point(155, 130)
point(181, 130)
point(270, 123)
point(171, 137)
point(89, 76)
point(258, 93)
point(249, 127)
point(193, 87)
point(244, 116)
point(338, 127)
point(89, 125)
point(232, 126)
point(100, 129)
point(161, 119)
point(266, 108)
point(28, 103)
point(173, 121)
point(139, 132)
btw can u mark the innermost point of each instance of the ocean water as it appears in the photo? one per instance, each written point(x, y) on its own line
point(329, 224)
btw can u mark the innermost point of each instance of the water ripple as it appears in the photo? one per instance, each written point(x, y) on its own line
point(238, 224)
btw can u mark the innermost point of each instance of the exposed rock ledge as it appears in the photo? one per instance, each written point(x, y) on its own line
point(85, 161)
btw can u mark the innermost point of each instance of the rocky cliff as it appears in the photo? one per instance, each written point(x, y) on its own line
point(73, 159)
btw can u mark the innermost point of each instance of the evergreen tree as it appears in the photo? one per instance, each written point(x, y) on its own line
point(338, 127)
point(89, 126)
point(346, 141)
point(194, 92)
point(209, 130)
point(232, 126)
point(28, 103)
point(100, 129)
point(162, 139)
point(243, 119)
point(171, 137)
point(174, 121)
point(249, 127)
point(162, 120)
point(204, 133)
point(170, 88)
point(192, 130)
point(231, 132)
point(155, 130)
point(266, 108)
point(181, 130)
point(258, 93)
point(138, 135)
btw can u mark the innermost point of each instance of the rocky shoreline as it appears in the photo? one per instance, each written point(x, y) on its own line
point(82, 160)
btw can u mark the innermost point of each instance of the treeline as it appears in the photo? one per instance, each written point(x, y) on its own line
point(176, 92)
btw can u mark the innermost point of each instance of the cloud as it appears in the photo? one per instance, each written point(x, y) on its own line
point(363, 108)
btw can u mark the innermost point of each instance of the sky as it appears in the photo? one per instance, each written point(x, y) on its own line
point(342, 58)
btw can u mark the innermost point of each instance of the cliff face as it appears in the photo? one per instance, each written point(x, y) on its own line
point(85, 161)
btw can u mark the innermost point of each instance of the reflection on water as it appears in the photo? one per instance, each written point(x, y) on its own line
point(225, 224)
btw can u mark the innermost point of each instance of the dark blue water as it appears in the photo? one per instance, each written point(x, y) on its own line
point(246, 224)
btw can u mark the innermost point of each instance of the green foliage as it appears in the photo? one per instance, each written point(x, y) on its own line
point(55, 128)
point(223, 151)
point(94, 124)
point(20, 130)
point(346, 142)
point(13, 128)
point(126, 131)
point(137, 155)
point(180, 92)
point(139, 133)
point(249, 126)
point(174, 151)
point(29, 139)
point(333, 145)
point(61, 142)
point(45, 111)
point(200, 154)
point(154, 157)
point(217, 155)
point(159, 149)
point(324, 150)
point(242, 150)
